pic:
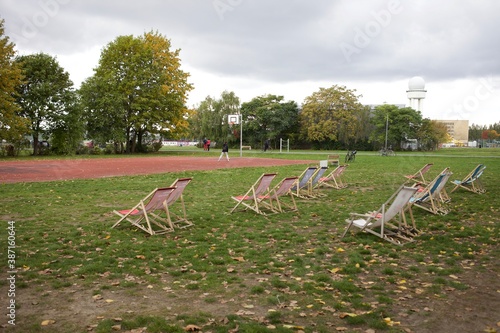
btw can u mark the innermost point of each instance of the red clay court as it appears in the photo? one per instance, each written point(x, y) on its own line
point(63, 169)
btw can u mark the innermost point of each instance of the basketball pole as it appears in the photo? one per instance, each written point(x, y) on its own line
point(241, 135)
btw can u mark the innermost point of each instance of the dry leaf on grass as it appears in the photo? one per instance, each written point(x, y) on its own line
point(192, 328)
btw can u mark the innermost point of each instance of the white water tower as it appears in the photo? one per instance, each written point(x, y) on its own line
point(416, 92)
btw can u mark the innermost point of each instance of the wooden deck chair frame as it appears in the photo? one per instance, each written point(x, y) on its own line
point(430, 198)
point(272, 200)
point(259, 188)
point(472, 182)
point(180, 219)
point(418, 177)
point(334, 178)
point(148, 213)
point(380, 223)
point(303, 189)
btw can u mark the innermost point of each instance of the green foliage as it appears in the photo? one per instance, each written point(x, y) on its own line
point(401, 123)
point(333, 114)
point(210, 119)
point(48, 100)
point(137, 88)
point(13, 127)
point(268, 117)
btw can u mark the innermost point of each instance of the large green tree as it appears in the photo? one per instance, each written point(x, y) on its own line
point(13, 127)
point(46, 97)
point(401, 124)
point(268, 117)
point(332, 114)
point(138, 88)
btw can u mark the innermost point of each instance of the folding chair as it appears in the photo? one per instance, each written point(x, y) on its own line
point(181, 220)
point(260, 188)
point(418, 177)
point(148, 212)
point(472, 182)
point(379, 222)
point(304, 188)
point(272, 199)
point(334, 178)
point(431, 197)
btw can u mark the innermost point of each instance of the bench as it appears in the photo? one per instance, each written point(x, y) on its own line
point(334, 159)
point(246, 147)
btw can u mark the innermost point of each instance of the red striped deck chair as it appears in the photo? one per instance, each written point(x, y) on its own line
point(152, 211)
point(272, 200)
point(418, 177)
point(180, 219)
point(334, 179)
point(250, 200)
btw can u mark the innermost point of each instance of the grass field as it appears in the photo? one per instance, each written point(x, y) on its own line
point(243, 272)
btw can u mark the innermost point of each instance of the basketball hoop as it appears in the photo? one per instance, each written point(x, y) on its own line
point(231, 124)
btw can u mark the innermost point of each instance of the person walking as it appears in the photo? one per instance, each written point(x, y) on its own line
point(225, 150)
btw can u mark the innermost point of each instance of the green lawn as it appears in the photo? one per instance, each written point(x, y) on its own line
point(281, 273)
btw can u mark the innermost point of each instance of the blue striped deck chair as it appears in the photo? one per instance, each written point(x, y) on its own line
point(304, 189)
point(430, 197)
point(472, 182)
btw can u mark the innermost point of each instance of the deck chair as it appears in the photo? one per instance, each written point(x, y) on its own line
point(380, 222)
point(150, 211)
point(179, 219)
point(472, 182)
point(250, 200)
point(304, 188)
point(272, 200)
point(431, 197)
point(418, 177)
point(334, 178)
point(315, 181)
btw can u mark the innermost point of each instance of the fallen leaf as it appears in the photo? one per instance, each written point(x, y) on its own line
point(192, 328)
point(48, 322)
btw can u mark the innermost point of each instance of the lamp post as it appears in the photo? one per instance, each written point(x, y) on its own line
point(386, 130)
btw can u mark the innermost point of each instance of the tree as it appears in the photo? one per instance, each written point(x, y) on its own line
point(331, 114)
point(139, 87)
point(46, 97)
point(432, 133)
point(210, 118)
point(268, 117)
point(13, 127)
point(402, 124)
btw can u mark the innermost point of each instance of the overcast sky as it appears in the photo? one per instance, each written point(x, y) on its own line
point(290, 47)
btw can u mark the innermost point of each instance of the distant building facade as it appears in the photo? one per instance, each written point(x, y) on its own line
point(458, 130)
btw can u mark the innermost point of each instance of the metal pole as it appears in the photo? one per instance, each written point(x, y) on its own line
point(241, 135)
point(386, 130)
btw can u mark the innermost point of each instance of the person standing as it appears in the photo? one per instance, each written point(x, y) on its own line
point(225, 150)
point(266, 145)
